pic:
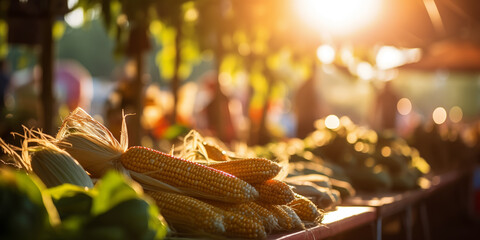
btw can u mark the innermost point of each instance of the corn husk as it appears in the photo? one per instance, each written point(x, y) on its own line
point(97, 150)
point(56, 168)
point(91, 143)
point(39, 155)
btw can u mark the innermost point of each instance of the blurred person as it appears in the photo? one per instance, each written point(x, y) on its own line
point(122, 98)
point(72, 88)
point(384, 116)
point(214, 116)
point(128, 96)
point(307, 107)
point(74, 85)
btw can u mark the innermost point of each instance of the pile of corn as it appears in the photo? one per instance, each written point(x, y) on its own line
point(227, 197)
point(237, 198)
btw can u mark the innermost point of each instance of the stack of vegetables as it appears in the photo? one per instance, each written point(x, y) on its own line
point(325, 184)
point(346, 158)
point(232, 198)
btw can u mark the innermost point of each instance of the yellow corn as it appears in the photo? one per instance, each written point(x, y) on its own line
point(240, 220)
point(188, 213)
point(250, 210)
point(306, 209)
point(269, 221)
point(239, 208)
point(251, 170)
point(296, 221)
point(274, 192)
point(245, 227)
point(193, 178)
point(285, 221)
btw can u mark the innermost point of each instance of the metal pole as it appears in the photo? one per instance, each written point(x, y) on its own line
point(379, 228)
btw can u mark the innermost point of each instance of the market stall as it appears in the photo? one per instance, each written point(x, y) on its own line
point(253, 119)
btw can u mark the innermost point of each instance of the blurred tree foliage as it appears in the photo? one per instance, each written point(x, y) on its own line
point(252, 37)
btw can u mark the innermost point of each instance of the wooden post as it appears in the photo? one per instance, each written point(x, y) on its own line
point(176, 75)
point(137, 133)
point(48, 110)
point(263, 133)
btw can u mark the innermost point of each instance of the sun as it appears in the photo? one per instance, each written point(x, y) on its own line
point(338, 16)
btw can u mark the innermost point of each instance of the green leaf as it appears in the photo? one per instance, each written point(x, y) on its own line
point(31, 207)
point(3, 37)
point(184, 70)
point(174, 131)
point(166, 61)
point(156, 28)
point(67, 190)
point(58, 30)
point(156, 221)
point(113, 188)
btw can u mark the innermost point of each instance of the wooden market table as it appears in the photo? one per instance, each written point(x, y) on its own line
point(342, 219)
point(373, 208)
point(390, 203)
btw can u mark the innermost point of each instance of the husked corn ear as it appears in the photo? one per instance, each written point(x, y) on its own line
point(269, 221)
point(56, 168)
point(240, 220)
point(251, 170)
point(250, 210)
point(274, 192)
point(188, 213)
point(245, 227)
point(214, 152)
point(240, 208)
point(285, 221)
point(193, 178)
point(297, 222)
point(306, 209)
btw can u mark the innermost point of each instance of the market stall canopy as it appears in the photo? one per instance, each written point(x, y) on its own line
point(418, 23)
point(455, 55)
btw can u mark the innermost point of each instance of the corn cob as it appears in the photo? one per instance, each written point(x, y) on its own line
point(250, 210)
point(245, 227)
point(296, 221)
point(269, 221)
point(239, 208)
point(189, 214)
point(251, 170)
point(240, 220)
point(57, 167)
point(306, 209)
point(274, 192)
point(193, 178)
point(285, 221)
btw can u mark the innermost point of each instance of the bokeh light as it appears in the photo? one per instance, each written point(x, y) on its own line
point(455, 114)
point(386, 151)
point(332, 122)
point(390, 57)
point(365, 71)
point(75, 18)
point(404, 106)
point(326, 54)
point(439, 115)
